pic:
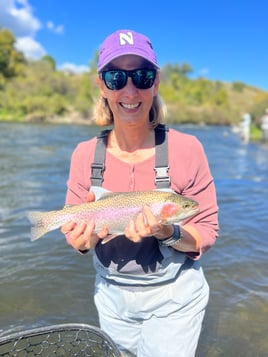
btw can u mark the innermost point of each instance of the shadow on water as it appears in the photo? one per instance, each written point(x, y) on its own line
point(46, 282)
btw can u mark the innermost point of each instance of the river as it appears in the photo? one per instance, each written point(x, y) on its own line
point(46, 282)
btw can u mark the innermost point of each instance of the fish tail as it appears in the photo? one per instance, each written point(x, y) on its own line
point(40, 224)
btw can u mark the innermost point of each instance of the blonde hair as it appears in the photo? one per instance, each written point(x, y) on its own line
point(103, 115)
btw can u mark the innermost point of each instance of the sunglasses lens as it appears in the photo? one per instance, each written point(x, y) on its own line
point(117, 79)
point(114, 80)
point(143, 78)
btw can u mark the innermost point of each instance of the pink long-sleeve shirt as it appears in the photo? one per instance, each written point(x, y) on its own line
point(190, 176)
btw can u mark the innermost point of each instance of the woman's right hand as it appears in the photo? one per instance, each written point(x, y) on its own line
point(81, 236)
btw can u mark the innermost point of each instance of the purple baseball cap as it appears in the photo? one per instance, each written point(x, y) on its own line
point(126, 42)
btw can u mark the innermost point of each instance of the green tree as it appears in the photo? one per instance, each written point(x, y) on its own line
point(238, 86)
point(49, 60)
point(94, 62)
point(11, 61)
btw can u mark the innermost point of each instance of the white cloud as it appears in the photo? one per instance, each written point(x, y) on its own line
point(72, 68)
point(17, 16)
point(57, 29)
point(31, 48)
point(203, 72)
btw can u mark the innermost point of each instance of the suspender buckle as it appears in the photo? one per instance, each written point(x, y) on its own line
point(97, 172)
point(162, 179)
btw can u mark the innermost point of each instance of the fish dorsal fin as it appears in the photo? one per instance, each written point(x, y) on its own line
point(109, 194)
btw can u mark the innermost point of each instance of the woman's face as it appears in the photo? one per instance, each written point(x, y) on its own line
point(130, 104)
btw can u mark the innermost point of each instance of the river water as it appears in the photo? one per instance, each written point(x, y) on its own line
point(46, 282)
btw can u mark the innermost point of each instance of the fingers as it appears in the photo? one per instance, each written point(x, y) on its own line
point(68, 227)
point(158, 230)
point(91, 196)
point(145, 225)
point(103, 233)
point(131, 232)
point(80, 236)
point(151, 219)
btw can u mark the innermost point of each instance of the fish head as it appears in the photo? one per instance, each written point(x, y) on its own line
point(177, 209)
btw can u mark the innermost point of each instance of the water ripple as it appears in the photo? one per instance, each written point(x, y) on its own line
point(46, 282)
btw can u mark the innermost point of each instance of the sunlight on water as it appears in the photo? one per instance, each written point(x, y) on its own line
point(46, 282)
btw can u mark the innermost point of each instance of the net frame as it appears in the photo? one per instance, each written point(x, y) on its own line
point(62, 340)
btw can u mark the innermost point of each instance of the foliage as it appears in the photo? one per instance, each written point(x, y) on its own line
point(257, 110)
point(49, 60)
point(238, 86)
point(11, 60)
point(255, 133)
point(36, 90)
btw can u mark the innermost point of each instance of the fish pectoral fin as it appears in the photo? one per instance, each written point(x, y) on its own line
point(109, 238)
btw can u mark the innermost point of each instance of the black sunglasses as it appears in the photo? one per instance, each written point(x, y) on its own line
point(117, 78)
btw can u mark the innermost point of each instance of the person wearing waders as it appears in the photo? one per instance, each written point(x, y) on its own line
point(150, 289)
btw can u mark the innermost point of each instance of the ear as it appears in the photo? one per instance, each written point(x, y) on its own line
point(156, 83)
point(101, 86)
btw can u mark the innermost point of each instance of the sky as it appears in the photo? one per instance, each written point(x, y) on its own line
point(226, 40)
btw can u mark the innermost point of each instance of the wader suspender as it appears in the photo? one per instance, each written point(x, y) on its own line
point(162, 179)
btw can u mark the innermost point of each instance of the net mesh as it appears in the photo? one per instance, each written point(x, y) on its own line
point(66, 340)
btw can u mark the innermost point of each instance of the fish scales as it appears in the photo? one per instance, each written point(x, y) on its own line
point(115, 210)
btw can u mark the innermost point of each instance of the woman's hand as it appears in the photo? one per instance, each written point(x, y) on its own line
point(146, 224)
point(81, 236)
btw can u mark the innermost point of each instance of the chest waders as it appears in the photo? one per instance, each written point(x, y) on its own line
point(153, 261)
point(162, 179)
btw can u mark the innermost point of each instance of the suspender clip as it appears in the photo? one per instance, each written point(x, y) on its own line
point(97, 173)
point(162, 179)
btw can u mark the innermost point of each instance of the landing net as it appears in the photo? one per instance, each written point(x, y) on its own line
point(65, 340)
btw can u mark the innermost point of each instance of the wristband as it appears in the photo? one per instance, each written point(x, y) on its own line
point(175, 238)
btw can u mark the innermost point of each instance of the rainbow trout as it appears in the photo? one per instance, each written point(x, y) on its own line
point(115, 210)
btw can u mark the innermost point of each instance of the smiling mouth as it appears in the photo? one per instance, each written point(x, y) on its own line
point(130, 106)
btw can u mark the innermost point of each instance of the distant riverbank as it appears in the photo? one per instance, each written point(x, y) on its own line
point(77, 119)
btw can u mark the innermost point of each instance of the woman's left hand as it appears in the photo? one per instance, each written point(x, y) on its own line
point(145, 225)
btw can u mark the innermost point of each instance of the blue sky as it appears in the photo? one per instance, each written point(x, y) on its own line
point(225, 40)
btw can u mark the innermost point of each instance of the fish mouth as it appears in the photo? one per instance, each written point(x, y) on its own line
point(196, 209)
point(192, 212)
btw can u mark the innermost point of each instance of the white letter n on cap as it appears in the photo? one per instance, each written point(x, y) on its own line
point(126, 38)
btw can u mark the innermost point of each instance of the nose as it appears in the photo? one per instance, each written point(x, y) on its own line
point(130, 86)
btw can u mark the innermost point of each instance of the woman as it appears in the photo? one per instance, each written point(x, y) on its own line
point(151, 293)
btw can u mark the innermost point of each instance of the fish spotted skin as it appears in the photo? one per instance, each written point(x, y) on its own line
point(115, 210)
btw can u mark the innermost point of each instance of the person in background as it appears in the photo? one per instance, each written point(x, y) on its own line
point(150, 290)
point(264, 126)
point(245, 127)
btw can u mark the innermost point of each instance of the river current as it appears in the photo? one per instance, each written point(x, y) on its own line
point(46, 282)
